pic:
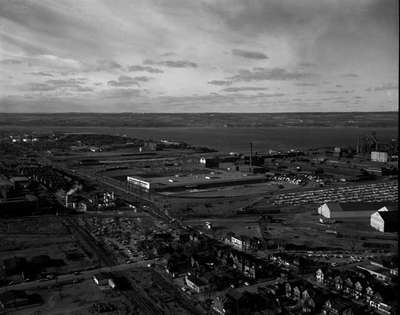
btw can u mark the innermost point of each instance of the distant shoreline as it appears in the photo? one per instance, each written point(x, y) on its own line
point(205, 120)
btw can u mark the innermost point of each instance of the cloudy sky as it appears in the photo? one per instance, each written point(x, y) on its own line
point(197, 56)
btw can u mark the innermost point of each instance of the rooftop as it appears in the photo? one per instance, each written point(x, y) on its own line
point(360, 206)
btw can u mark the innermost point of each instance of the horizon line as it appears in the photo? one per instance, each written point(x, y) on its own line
point(191, 113)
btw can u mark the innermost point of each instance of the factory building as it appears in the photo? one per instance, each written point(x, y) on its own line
point(379, 156)
point(209, 162)
point(135, 182)
point(332, 210)
point(385, 219)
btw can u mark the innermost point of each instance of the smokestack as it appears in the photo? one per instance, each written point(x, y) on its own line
point(71, 191)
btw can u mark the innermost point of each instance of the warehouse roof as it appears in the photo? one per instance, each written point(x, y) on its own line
point(361, 206)
point(389, 216)
point(390, 207)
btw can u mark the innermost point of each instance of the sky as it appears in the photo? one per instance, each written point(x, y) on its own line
point(198, 55)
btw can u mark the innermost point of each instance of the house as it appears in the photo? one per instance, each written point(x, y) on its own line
point(377, 156)
point(320, 276)
point(377, 302)
point(338, 283)
point(249, 265)
point(385, 219)
point(198, 284)
point(337, 306)
point(240, 242)
point(19, 182)
point(104, 281)
point(218, 304)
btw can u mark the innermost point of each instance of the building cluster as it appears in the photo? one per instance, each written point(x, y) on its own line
point(331, 291)
point(359, 285)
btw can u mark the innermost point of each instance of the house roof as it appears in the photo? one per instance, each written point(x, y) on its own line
point(340, 303)
point(334, 206)
point(19, 179)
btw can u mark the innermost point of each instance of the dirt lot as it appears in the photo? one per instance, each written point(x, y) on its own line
point(300, 226)
point(76, 299)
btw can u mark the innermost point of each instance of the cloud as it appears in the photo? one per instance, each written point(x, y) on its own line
point(10, 61)
point(244, 88)
point(383, 87)
point(220, 82)
point(125, 81)
point(66, 83)
point(43, 74)
point(249, 54)
point(144, 69)
point(306, 84)
point(351, 75)
point(260, 74)
point(143, 78)
point(73, 84)
point(307, 64)
point(123, 93)
point(107, 65)
point(172, 63)
point(83, 89)
point(272, 94)
point(305, 43)
point(168, 54)
point(41, 87)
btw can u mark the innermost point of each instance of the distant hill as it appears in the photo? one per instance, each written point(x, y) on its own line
point(224, 120)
